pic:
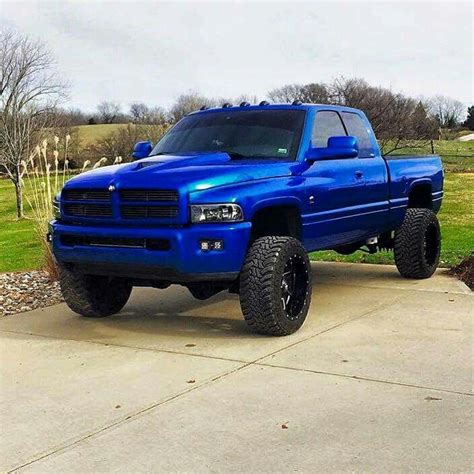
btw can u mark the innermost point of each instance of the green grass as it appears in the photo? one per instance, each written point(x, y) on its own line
point(457, 156)
point(457, 226)
point(19, 245)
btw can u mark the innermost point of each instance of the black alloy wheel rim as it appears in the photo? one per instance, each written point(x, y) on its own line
point(294, 287)
point(430, 244)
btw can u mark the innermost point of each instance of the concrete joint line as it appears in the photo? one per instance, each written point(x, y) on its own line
point(365, 379)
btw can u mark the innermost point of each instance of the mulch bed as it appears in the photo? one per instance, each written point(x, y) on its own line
point(465, 271)
point(25, 291)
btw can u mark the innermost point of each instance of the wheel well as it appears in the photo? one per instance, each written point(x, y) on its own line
point(276, 220)
point(420, 196)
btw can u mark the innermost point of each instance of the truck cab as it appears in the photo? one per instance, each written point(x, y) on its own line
point(224, 198)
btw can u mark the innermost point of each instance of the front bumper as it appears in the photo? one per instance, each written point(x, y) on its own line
point(183, 261)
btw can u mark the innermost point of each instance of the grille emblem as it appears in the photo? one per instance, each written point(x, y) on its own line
point(111, 188)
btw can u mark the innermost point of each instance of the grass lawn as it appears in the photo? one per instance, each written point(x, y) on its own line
point(20, 249)
point(457, 156)
point(19, 246)
point(457, 226)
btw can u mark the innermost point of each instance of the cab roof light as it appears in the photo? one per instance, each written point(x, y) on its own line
point(264, 102)
point(226, 105)
point(244, 104)
point(204, 107)
point(297, 102)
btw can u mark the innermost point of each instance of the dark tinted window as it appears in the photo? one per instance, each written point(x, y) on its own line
point(242, 134)
point(326, 124)
point(356, 127)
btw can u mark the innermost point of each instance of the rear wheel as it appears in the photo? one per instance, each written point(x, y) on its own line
point(93, 296)
point(275, 286)
point(417, 244)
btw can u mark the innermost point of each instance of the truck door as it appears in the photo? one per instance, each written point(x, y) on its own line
point(337, 203)
point(375, 215)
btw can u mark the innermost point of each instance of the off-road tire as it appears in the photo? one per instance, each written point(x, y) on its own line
point(417, 244)
point(261, 285)
point(93, 296)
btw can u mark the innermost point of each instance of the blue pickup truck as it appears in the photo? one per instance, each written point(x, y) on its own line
point(234, 198)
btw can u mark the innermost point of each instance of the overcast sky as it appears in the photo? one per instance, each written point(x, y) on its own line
point(153, 51)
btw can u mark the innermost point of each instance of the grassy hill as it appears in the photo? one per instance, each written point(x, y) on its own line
point(90, 134)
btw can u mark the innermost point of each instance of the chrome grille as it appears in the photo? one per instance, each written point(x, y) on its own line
point(86, 195)
point(143, 212)
point(148, 195)
point(87, 210)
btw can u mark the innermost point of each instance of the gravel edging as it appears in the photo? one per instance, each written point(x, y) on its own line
point(25, 291)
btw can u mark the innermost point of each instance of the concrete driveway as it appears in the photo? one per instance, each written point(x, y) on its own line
point(379, 378)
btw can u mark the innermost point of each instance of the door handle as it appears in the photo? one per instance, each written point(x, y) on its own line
point(359, 174)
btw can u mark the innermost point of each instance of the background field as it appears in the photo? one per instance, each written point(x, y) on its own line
point(20, 248)
point(90, 134)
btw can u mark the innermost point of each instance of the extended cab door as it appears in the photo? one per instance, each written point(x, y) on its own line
point(340, 193)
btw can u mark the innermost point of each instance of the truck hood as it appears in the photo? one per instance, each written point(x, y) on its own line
point(188, 173)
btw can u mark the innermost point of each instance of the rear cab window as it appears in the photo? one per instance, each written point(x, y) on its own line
point(357, 127)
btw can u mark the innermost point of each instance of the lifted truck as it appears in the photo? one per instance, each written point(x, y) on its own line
point(234, 198)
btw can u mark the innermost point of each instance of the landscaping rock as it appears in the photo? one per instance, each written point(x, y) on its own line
point(25, 291)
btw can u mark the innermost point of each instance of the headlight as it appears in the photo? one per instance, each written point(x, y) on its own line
point(216, 213)
point(56, 209)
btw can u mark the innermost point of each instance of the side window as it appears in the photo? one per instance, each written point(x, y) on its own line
point(326, 124)
point(356, 127)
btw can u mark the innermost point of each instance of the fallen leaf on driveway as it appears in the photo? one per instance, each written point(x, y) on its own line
point(190, 345)
point(429, 399)
point(190, 381)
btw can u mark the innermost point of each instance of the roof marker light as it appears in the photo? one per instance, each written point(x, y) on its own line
point(226, 105)
point(245, 104)
point(264, 102)
point(297, 102)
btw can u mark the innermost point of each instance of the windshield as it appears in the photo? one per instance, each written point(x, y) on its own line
point(241, 134)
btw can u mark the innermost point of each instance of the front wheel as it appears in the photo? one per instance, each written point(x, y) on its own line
point(275, 286)
point(417, 244)
point(91, 295)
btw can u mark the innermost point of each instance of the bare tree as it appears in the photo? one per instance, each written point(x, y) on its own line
point(29, 91)
point(447, 111)
point(187, 103)
point(313, 93)
point(108, 111)
point(398, 121)
point(140, 113)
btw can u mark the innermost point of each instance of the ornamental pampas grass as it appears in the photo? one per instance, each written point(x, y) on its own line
point(43, 178)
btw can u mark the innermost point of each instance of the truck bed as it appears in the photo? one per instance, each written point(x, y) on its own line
point(407, 171)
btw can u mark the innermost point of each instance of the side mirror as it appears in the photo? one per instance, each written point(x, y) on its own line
point(142, 150)
point(338, 148)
